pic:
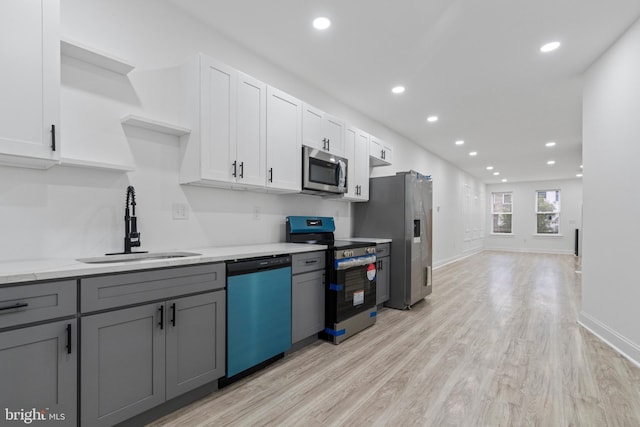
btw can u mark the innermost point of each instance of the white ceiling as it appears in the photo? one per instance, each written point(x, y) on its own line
point(475, 64)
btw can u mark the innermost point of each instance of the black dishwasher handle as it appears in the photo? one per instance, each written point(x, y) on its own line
point(252, 265)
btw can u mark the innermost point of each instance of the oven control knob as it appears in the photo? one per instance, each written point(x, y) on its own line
point(347, 253)
point(371, 250)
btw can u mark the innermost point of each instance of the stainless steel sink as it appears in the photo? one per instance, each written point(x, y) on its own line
point(108, 259)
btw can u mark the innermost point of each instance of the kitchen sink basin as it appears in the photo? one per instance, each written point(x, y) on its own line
point(108, 259)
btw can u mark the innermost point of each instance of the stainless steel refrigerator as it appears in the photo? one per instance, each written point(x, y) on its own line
point(400, 208)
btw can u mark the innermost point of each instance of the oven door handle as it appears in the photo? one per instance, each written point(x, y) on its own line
point(346, 263)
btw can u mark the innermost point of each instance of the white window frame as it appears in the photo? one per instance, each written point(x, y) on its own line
point(558, 212)
point(493, 212)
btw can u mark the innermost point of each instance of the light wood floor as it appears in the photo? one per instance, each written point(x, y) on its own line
point(496, 344)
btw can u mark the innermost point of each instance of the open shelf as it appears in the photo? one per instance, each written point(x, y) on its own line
point(90, 164)
point(155, 125)
point(92, 56)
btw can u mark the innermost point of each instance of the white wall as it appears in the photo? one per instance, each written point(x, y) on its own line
point(72, 212)
point(611, 149)
point(458, 201)
point(524, 237)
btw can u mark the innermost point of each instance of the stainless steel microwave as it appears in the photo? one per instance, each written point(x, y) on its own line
point(323, 172)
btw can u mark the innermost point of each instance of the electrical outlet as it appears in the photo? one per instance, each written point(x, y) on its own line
point(180, 211)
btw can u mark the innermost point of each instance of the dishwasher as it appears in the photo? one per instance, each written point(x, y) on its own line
point(258, 312)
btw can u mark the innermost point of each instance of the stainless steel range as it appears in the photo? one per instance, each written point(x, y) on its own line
point(350, 288)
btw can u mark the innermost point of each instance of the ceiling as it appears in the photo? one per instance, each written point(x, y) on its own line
point(474, 64)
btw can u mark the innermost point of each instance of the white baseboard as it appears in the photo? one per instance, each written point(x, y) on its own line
point(622, 345)
point(456, 258)
point(533, 251)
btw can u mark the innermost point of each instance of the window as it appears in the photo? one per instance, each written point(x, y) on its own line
point(502, 211)
point(548, 211)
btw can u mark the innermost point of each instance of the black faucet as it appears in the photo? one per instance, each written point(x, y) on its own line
point(131, 233)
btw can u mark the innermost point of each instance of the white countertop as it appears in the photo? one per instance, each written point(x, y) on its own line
point(376, 240)
point(47, 269)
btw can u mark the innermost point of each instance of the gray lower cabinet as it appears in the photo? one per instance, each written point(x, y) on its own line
point(39, 353)
point(134, 359)
point(38, 367)
point(122, 364)
point(307, 295)
point(383, 275)
point(195, 353)
point(147, 337)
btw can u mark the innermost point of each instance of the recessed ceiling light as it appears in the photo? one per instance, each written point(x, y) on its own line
point(551, 162)
point(550, 47)
point(321, 23)
point(459, 142)
point(473, 153)
point(398, 89)
point(504, 179)
point(489, 168)
point(496, 173)
point(432, 119)
point(550, 144)
point(579, 175)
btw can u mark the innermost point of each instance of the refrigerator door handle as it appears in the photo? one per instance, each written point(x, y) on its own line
point(427, 276)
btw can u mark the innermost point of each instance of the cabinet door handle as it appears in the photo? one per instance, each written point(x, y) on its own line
point(16, 305)
point(328, 144)
point(69, 338)
point(270, 174)
point(53, 137)
point(311, 261)
point(241, 169)
point(234, 164)
point(161, 322)
point(173, 314)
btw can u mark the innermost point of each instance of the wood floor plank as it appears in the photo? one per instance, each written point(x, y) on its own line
point(496, 344)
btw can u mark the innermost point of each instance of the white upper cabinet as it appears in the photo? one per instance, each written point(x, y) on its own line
point(243, 134)
point(251, 135)
point(284, 133)
point(362, 165)
point(334, 129)
point(312, 128)
point(218, 97)
point(357, 153)
point(30, 83)
point(322, 131)
point(381, 153)
point(226, 110)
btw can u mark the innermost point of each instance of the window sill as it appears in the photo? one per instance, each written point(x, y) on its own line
point(501, 234)
point(547, 235)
